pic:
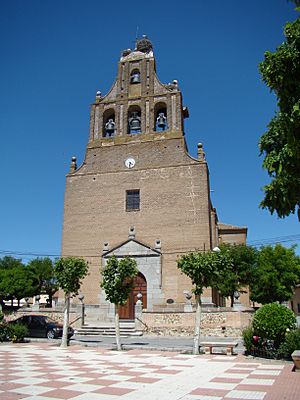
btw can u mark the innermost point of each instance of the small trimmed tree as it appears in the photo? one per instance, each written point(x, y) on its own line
point(204, 271)
point(69, 272)
point(117, 281)
point(239, 273)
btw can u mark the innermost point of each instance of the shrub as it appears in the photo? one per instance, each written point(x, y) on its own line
point(272, 321)
point(1, 316)
point(291, 343)
point(4, 331)
point(17, 332)
point(248, 338)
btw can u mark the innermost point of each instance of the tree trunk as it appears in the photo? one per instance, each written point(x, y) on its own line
point(64, 339)
point(117, 328)
point(231, 300)
point(197, 325)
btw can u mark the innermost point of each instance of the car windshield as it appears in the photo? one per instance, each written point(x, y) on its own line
point(49, 320)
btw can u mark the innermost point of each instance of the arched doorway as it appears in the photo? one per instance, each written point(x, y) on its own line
point(140, 286)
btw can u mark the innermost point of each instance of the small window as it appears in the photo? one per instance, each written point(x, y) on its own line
point(132, 200)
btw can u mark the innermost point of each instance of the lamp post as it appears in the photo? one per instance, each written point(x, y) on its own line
point(81, 298)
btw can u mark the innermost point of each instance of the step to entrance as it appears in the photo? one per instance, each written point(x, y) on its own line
point(126, 329)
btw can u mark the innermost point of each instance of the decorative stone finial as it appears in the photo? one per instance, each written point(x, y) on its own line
point(98, 95)
point(157, 245)
point(201, 154)
point(126, 52)
point(73, 165)
point(105, 247)
point(131, 234)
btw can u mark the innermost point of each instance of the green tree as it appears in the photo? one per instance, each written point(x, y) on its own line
point(276, 274)
point(238, 273)
point(69, 272)
point(117, 282)
point(43, 269)
point(9, 262)
point(204, 270)
point(280, 145)
point(16, 280)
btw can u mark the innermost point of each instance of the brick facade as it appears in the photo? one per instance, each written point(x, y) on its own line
point(175, 206)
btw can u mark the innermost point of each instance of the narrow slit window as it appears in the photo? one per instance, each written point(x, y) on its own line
point(132, 200)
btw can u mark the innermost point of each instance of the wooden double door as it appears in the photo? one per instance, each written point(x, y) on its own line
point(139, 286)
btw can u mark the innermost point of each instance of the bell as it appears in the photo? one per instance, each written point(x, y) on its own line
point(135, 78)
point(110, 127)
point(161, 121)
point(135, 122)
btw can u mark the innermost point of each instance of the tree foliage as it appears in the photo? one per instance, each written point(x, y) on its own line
point(204, 268)
point(16, 280)
point(43, 269)
point(117, 282)
point(69, 273)
point(276, 274)
point(9, 262)
point(117, 279)
point(280, 145)
point(239, 273)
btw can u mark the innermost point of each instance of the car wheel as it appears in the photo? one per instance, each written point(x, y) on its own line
point(50, 334)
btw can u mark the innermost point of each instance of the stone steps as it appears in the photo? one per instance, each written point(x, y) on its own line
point(126, 329)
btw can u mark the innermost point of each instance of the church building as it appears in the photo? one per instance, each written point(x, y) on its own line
point(139, 193)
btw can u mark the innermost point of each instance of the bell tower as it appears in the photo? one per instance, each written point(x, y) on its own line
point(138, 108)
point(137, 174)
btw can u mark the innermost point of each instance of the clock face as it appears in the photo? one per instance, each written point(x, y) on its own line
point(130, 162)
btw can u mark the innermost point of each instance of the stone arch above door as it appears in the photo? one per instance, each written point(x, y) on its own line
point(148, 263)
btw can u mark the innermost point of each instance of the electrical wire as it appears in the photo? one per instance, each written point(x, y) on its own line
point(254, 243)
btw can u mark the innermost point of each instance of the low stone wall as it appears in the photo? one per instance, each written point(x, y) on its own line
point(213, 323)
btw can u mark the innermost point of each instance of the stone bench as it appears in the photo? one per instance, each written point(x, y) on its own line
point(210, 345)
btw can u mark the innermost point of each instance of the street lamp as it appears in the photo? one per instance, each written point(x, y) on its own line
point(81, 298)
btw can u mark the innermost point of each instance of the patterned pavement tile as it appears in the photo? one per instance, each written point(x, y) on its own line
point(45, 372)
point(242, 394)
point(113, 390)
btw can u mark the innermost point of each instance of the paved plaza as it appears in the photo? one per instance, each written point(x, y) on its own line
point(43, 371)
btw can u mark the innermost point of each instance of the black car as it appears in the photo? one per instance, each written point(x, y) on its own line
point(42, 326)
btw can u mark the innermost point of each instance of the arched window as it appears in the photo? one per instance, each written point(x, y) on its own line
point(160, 117)
point(134, 120)
point(109, 124)
point(135, 76)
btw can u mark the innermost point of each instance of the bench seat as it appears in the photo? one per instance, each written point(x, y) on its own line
point(210, 345)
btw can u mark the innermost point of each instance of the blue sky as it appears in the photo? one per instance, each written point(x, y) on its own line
point(55, 55)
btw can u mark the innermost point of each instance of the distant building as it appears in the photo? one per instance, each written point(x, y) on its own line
point(139, 192)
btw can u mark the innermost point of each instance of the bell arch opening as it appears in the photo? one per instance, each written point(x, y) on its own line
point(160, 117)
point(135, 76)
point(109, 123)
point(134, 120)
